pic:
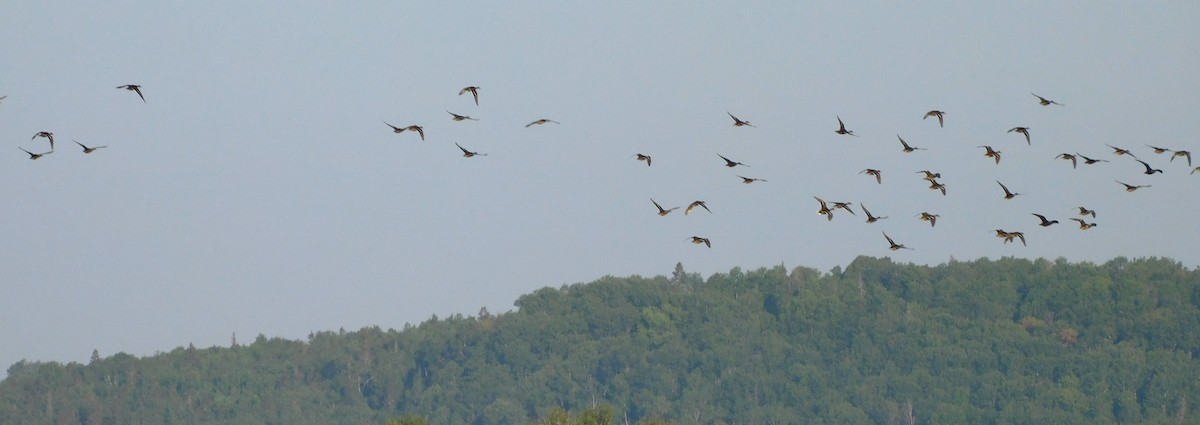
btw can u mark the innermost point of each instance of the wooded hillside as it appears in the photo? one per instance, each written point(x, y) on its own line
point(990, 341)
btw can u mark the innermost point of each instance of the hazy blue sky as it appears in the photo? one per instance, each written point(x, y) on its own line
point(258, 191)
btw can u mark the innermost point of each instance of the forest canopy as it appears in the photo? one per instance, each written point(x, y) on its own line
point(988, 341)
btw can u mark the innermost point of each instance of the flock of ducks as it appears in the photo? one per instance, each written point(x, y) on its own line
point(989, 152)
point(826, 209)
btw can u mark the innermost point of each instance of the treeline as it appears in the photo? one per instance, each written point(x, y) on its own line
point(1010, 341)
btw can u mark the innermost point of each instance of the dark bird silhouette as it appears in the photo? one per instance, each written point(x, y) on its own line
point(906, 148)
point(1084, 211)
point(893, 245)
point(1067, 156)
point(1083, 225)
point(870, 218)
point(1149, 171)
point(1045, 101)
point(873, 172)
point(1118, 151)
point(844, 206)
point(467, 153)
point(695, 204)
point(662, 211)
point(541, 121)
point(937, 114)
point(842, 128)
point(474, 93)
point(934, 185)
point(1022, 130)
point(458, 117)
point(931, 218)
point(730, 163)
point(929, 175)
point(1158, 150)
point(1045, 222)
point(48, 135)
point(641, 157)
point(35, 156)
point(991, 153)
point(699, 240)
point(134, 88)
point(1186, 154)
point(748, 180)
point(1090, 161)
point(1132, 188)
point(87, 149)
point(420, 130)
point(737, 122)
point(825, 211)
point(1007, 194)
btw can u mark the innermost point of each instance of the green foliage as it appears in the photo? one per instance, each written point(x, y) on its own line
point(990, 341)
point(407, 420)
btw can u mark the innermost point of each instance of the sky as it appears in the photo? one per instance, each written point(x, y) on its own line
point(257, 189)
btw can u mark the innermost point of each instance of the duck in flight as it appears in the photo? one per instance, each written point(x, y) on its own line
point(1045, 222)
point(1131, 188)
point(1069, 157)
point(420, 130)
point(1090, 161)
point(87, 149)
point(873, 172)
point(1046, 102)
point(641, 157)
point(699, 240)
point(1007, 194)
point(1009, 236)
point(893, 245)
point(474, 93)
point(1186, 154)
point(731, 163)
point(134, 88)
point(1149, 171)
point(906, 148)
point(1085, 212)
point(661, 210)
point(48, 135)
point(931, 218)
point(737, 122)
point(1022, 130)
point(991, 153)
point(934, 185)
point(458, 117)
point(842, 128)
point(1158, 150)
point(870, 218)
point(541, 121)
point(695, 204)
point(929, 175)
point(467, 153)
point(1118, 151)
point(35, 156)
point(1083, 225)
point(935, 113)
point(825, 211)
point(844, 206)
point(748, 180)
